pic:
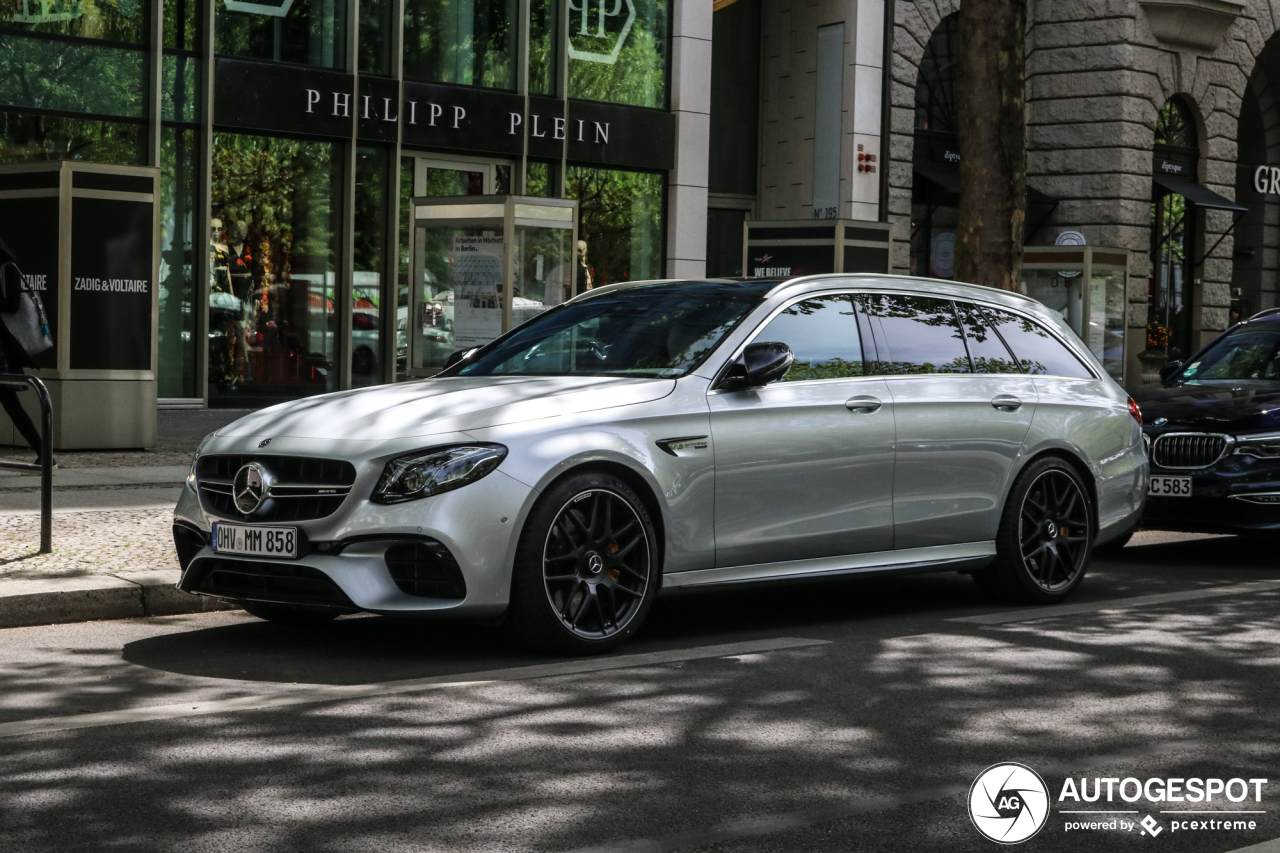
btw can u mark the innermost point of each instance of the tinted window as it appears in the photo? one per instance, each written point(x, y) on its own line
point(1249, 353)
point(988, 352)
point(1037, 351)
point(823, 334)
point(652, 330)
point(921, 334)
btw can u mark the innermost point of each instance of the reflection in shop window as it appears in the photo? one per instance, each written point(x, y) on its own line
point(618, 52)
point(51, 74)
point(469, 42)
point(177, 374)
point(367, 265)
point(620, 221)
point(110, 20)
point(38, 137)
point(308, 32)
point(274, 261)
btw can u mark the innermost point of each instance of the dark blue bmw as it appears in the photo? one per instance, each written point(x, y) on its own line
point(1212, 427)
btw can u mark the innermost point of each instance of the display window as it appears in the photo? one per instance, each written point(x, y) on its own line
point(307, 32)
point(618, 52)
point(109, 20)
point(26, 137)
point(468, 42)
point(274, 263)
point(619, 224)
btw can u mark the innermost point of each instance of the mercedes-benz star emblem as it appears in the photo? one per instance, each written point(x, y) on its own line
point(263, 443)
point(594, 563)
point(249, 488)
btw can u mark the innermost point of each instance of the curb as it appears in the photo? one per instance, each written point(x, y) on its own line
point(123, 595)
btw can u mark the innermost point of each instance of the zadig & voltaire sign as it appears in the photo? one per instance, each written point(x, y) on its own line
point(274, 97)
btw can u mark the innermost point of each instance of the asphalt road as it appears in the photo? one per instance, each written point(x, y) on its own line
point(849, 715)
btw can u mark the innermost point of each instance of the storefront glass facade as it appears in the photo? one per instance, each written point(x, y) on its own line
point(290, 136)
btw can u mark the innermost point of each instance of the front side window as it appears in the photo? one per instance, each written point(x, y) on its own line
point(662, 330)
point(822, 332)
point(988, 352)
point(921, 334)
point(1248, 354)
point(1039, 353)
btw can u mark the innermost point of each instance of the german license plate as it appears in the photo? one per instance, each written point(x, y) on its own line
point(255, 540)
point(1169, 487)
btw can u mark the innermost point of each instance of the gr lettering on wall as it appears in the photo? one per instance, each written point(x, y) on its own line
point(1266, 180)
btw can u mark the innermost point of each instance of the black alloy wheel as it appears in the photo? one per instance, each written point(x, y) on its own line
point(1046, 535)
point(586, 567)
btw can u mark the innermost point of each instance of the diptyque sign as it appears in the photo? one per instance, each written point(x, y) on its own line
point(296, 99)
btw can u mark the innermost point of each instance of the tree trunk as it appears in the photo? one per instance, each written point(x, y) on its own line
point(990, 96)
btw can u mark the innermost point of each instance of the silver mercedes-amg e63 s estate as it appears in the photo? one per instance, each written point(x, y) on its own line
point(669, 435)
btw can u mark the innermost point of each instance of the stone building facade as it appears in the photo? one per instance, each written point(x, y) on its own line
point(1152, 127)
point(1099, 73)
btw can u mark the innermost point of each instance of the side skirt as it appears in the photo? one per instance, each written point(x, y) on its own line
point(966, 556)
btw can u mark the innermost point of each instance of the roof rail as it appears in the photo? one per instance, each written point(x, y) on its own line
point(1269, 312)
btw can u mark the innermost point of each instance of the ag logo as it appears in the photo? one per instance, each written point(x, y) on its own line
point(1008, 803)
point(605, 53)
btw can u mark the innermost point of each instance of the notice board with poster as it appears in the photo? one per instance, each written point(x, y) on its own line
point(86, 236)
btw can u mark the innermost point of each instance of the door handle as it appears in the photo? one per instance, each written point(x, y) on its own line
point(862, 404)
point(1006, 402)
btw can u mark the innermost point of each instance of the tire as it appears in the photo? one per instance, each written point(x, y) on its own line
point(1045, 538)
point(283, 614)
point(586, 567)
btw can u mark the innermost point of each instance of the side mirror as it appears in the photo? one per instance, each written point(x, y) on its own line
point(459, 355)
point(760, 364)
point(1169, 369)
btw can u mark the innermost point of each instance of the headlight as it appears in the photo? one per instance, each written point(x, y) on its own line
point(1261, 446)
point(430, 472)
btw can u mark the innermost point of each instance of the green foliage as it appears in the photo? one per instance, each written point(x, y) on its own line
point(35, 137)
point(469, 42)
point(80, 78)
point(112, 20)
point(620, 218)
point(638, 77)
point(836, 368)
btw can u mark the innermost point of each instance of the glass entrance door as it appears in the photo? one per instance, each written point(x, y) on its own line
point(425, 313)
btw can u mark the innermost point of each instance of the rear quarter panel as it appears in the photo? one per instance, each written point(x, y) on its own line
point(1090, 418)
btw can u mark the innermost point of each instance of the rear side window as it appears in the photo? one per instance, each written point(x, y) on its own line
point(1038, 352)
point(921, 334)
point(988, 352)
point(823, 334)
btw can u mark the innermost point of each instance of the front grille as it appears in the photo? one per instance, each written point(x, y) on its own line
point(426, 569)
point(260, 580)
point(304, 487)
point(1188, 450)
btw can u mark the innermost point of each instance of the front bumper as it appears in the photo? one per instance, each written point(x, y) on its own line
point(1219, 501)
point(345, 563)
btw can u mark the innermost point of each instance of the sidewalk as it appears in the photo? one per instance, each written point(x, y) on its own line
point(113, 551)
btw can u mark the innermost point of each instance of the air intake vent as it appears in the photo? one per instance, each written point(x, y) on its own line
point(425, 569)
point(1188, 450)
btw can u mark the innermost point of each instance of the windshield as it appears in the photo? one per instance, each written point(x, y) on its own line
point(1249, 353)
point(658, 330)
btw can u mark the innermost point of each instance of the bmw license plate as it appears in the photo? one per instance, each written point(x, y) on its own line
point(1169, 487)
point(255, 540)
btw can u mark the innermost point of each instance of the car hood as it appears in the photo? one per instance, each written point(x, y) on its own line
point(1217, 406)
point(453, 404)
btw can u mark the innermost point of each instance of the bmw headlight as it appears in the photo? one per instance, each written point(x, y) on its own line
point(1261, 446)
point(430, 472)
